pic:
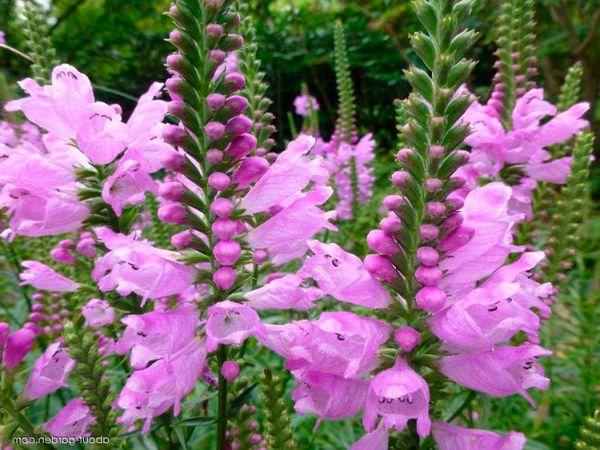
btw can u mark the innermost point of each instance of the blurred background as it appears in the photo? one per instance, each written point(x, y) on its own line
point(120, 45)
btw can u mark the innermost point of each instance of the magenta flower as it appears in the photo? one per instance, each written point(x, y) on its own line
point(50, 372)
point(150, 392)
point(74, 420)
point(328, 396)
point(376, 440)
point(133, 265)
point(127, 186)
point(397, 395)
point(42, 277)
point(304, 104)
point(231, 323)
point(17, 345)
point(450, 437)
point(98, 313)
point(287, 292)
point(343, 276)
point(286, 177)
point(500, 372)
point(156, 335)
point(285, 234)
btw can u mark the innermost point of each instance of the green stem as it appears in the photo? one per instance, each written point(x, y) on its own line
point(222, 411)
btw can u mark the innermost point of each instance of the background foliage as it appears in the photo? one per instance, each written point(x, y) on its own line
point(120, 44)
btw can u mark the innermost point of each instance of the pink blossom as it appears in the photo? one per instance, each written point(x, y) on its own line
point(231, 323)
point(499, 372)
point(397, 395)
point(42, 277)
point(156, 335)
point(329, 396)
point(50, 372)
point(98, 313)
point(285, 234)
point(74, 420)
point(284, 293)
point(150, 392)
point(376, 440)
point(127, 186)
point(305, 104)
point(343, 276)
point(450, 437)
point(133, 265)
point(286, 177)
point(17, 346)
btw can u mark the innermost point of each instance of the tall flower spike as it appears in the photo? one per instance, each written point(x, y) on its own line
point(570, 94)
point(568, 213)
point(433, 138)
point(278, 432)
point(590, 433)
point(256, 88)
point(516, 55)
point(38, 43)
point(346, 123)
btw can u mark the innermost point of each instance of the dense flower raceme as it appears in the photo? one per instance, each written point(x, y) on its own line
point(536, 125)
point(38, 179)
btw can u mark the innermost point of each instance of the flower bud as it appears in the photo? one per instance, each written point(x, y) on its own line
point(431, 299)
point(215, 101)
point(175, 162)
point(234, 81)
point(176, 108)
point(222, 207)
point(218, 181)
point(407, 338)
point(230, 370)
point(67, 243)
point(214, 30)
point(400, 178)
point(435, 209)
point(63, 256)
point(224, 229)
point(172, 213)
point(175, 36)
point(436, 151)
point(238, 125)
point(224, 277)
point(237, 104)
point(394, 202)
point(172, 191)
point(428, 276)
point(227, 252)
point(380, 242)
point(390, 224)
point(214, 130)
point(381, 267)
point(174, 61)
point(17, 346)
point(428, 256)
point(214, 156)
point(173, 134)
point(217, 56)
point(433, 184)
point(260, 256)
point(429, 232)
point(240, 146)
point(250, 170)
point(183, 239)
point(404, 154)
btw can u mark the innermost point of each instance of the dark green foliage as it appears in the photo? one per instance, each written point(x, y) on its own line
point(89, 372)
point(590, 433)
point(277, 431)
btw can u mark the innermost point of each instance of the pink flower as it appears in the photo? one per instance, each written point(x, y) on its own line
point(338, 343)
point(450, 437)
point(16, 347)
point(329, 396)
point(343, 276)
point(101, 135)
point(127, 186)
point(98, 313)
point(284, 179)
point(397, 395)
point(50, 372)
point(305, 104)
point(42, 277)
point(133, 265)
point(156, 335)
point(231, 323)
point(499, 372)
point(285, 234)
point(150, 392)
point(284, 293)
point(376, 440)
point(74, 420)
